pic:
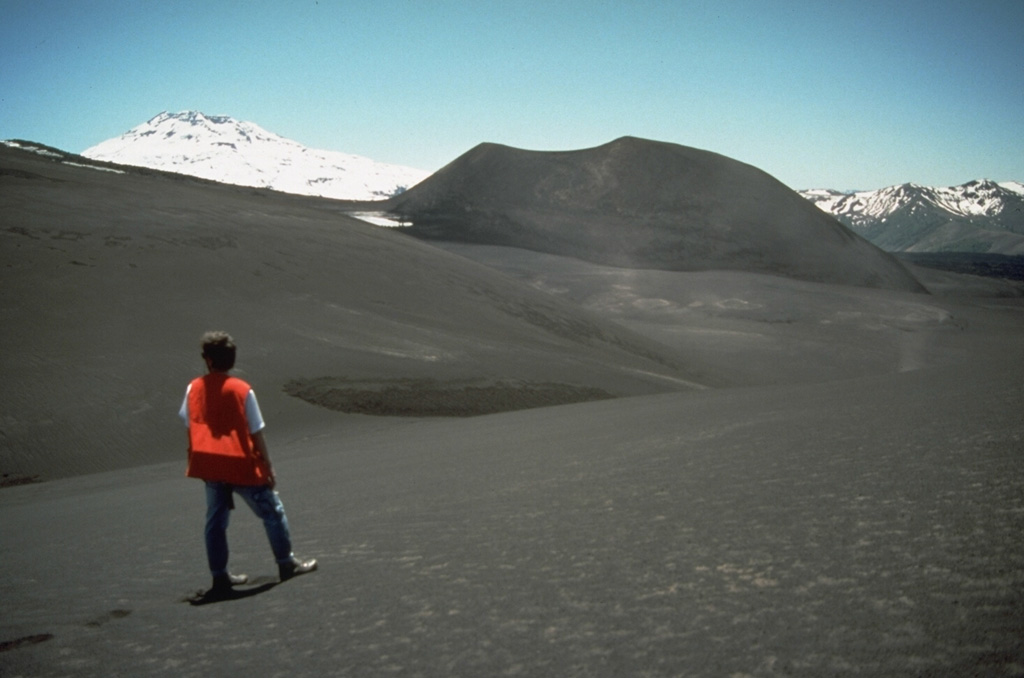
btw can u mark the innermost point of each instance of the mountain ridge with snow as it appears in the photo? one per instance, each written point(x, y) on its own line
point(978, 216)
point(221, 148)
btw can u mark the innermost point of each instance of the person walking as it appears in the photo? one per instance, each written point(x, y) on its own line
point(227, 450)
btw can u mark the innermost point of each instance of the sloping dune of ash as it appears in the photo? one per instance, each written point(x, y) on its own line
point(110, 279)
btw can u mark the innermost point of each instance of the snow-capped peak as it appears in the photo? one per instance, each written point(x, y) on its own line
point(978, 216)
point(1015, 186)
point(191, 124)
point(975, 198)
point(232, 151)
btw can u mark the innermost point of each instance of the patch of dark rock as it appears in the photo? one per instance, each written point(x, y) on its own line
point(6, 645)
point(13, 479)
point(108, 617)
point(431, 398)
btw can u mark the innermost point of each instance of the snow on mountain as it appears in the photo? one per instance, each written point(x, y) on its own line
point(979, 216)
point(63, 157)
point(1014, 186)
point(976, 198)
point(243, 153)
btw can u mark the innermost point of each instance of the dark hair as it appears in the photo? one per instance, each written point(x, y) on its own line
point(219, 347)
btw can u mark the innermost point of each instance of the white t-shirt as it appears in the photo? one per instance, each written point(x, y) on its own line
point(252, 411)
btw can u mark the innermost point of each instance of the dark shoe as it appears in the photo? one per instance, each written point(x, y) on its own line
point(223, 582)
point(295, 568)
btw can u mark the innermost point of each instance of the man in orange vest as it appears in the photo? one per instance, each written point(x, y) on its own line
point(227, 450)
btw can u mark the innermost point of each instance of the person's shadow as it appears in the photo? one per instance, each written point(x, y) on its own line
point(223, 595)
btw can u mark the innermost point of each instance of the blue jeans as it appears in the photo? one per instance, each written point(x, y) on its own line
point(263, 501)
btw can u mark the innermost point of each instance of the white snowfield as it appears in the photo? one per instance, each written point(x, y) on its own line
point(232, 151)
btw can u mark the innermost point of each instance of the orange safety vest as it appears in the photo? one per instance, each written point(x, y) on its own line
point(220, 445)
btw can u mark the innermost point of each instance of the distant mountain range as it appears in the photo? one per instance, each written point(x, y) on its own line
point(236, 152)
point(979, 216)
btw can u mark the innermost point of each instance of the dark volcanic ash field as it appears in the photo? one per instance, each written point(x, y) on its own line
point(717, 472)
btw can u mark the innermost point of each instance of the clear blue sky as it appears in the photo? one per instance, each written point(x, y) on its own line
point(835, 93)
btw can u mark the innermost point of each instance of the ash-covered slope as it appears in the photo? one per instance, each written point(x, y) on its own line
point(109, 275)
point(642, 204)
point(979, 216)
